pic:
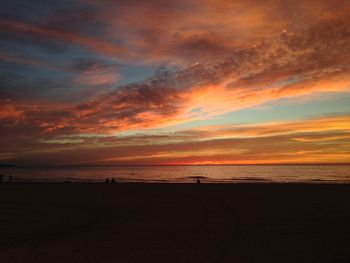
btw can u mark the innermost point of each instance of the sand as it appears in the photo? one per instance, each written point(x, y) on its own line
point(174, 223)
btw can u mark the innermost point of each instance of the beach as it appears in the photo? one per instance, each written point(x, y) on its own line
point(144, 222)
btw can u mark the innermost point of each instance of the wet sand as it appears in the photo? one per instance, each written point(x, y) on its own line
point(80, 222)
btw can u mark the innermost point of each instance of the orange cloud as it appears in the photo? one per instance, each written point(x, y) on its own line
point(154, 104)
point(312, 126)
point(240, 55)
point(9, 111)
point(192, 31)
point(320, 140)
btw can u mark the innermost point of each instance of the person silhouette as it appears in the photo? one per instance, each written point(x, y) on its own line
point(107, 181)
point(113, 181)
point(198, 181)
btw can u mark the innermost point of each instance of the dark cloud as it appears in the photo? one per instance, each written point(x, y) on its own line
point(59, 16)
point(229, 55)
point(288, 66)
point(84, 64)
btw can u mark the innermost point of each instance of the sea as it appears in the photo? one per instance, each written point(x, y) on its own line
point(184, 174)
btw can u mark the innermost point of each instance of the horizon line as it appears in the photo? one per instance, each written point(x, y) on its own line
point(116, 165)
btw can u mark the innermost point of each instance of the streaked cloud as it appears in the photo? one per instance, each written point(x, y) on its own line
point(252, 76)
point(95, 44)
point(313, 140)
point(212, 58)
point(98, 74)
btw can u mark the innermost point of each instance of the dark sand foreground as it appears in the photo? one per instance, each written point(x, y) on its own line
point(174, 223)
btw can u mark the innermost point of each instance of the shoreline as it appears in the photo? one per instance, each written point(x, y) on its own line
point(164, 182)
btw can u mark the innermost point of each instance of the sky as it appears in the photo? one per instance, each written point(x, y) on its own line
point(102, 82)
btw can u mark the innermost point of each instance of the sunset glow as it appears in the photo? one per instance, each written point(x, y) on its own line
point(175, 82)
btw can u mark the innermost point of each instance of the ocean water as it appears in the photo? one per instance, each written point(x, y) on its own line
point(186, 174)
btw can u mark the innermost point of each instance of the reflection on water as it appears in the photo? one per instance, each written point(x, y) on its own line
point(217, 173)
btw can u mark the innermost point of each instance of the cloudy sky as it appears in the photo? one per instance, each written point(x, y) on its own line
point(174, 82)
